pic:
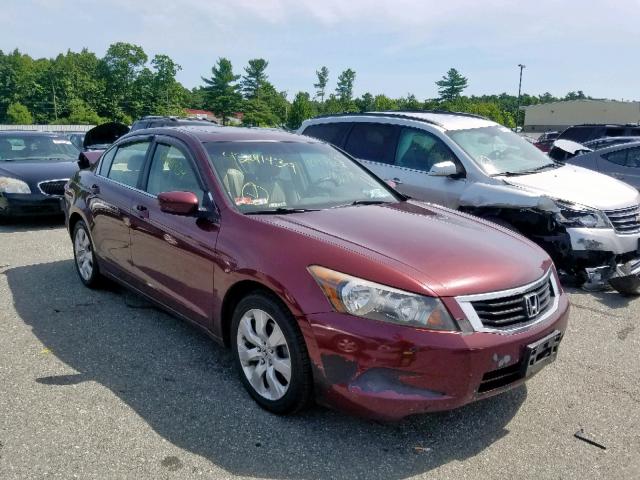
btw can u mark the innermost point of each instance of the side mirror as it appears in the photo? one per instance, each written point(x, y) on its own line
point(443, 169)
point(88, 159)
point(178, 203)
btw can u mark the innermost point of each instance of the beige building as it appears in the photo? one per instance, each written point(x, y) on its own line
point(560, 115)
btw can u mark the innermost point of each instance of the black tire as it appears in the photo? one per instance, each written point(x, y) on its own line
point(94, 279)
point(300, 387)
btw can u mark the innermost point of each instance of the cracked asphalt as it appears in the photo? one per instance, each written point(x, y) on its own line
point(95, 384)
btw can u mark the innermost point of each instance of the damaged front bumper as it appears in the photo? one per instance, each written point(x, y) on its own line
point(386, 371)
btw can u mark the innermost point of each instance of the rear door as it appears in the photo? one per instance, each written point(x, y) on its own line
point(174, 254)
point(417, 151)
point(374, 144)
point(110, 203)
point(623, 164)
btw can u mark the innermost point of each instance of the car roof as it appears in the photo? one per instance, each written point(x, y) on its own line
point(444, 119)
point(30, 133)
point(620, 146)
point(214, 133)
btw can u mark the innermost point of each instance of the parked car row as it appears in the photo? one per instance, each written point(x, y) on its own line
point(375, 263)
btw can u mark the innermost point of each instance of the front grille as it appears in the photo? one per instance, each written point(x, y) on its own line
point(512, 310)
point(625, 220)
point(53, 187)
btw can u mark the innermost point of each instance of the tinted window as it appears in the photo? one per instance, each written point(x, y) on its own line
point(619, 157)
point(171, 171)
point(373, 141)
point(420, 150)
point(329, 132)
point(17, 147)
point(107, 158)
point(127, 163)
point(633, 157)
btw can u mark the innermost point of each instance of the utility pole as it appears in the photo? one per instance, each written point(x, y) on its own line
point(519, 94)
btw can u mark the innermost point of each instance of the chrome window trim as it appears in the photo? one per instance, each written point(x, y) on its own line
point(51, 180)
point(464, 301)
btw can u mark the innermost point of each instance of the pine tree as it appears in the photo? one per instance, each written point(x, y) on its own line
point(451, 85)
point(222, 91)
point(321, 85)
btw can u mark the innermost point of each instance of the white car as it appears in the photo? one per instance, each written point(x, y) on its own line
point(589, 223)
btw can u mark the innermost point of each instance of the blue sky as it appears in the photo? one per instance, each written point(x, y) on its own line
point(395, 47)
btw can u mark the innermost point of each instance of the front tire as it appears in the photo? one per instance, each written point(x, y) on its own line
point(270, 354)
point(84, 256)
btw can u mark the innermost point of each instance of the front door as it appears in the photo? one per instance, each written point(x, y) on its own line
point(417, 152)
point(174, 254)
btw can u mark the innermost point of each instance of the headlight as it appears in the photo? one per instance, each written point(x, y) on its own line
point(573, 215)
point(13, 185)
point(378, 302)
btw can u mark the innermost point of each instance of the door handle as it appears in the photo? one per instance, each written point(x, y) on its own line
point(142, 211)
point(95, 189)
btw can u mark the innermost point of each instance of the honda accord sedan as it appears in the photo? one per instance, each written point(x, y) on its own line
point(34, 166)
point(325, 283)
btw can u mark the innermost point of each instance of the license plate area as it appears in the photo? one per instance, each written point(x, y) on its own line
point(541, 353)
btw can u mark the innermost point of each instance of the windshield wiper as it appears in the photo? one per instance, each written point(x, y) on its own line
point(282, 211)
point(528, 171)
point(369, 202)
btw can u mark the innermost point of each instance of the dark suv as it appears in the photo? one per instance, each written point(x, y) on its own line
point(154, 121)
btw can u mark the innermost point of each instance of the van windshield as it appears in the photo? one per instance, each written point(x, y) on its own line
point(499, 151)
point(271, 177)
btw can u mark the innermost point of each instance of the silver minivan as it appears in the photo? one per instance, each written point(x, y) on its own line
point(589, 223)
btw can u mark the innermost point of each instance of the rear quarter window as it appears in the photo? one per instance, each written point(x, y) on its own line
point(333, 133)
point(373, 141)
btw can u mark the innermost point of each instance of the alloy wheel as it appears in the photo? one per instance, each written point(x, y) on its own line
point(264, 354)
point(84, 254)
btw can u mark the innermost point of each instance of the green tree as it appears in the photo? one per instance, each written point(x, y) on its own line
point(344, 89)
point(223, 96)
point(81, 114)
point(365, 103)
point(18, 114)
point(321, 84)
point(383, 103)
point(451, 85)
point(254, 77)
point(301, 109)
point(410, 102)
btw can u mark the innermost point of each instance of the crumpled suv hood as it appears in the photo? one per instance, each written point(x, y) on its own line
point(579, 185)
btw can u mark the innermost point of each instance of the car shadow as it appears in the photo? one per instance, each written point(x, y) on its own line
point(30, 224)
point(607, 298)
point(184, 386)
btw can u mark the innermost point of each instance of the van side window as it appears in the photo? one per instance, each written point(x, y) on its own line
point(420, 150)
point(333, 133)
point(373, 141)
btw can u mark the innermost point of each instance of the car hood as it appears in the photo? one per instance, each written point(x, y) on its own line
point(579, 185)
point(447, 252)
point(34, 172)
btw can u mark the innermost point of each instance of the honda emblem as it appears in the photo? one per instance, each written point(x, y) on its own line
point(532, 304)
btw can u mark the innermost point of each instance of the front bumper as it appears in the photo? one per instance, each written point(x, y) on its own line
point(603, 240)
point(29, 205)
point(388, 371)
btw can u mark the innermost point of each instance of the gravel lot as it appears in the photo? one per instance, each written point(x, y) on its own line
point(95, 384)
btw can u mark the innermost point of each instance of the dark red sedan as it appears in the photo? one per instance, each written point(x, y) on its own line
point(324, 281)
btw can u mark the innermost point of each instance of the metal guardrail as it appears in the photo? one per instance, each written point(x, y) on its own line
point(48, 128)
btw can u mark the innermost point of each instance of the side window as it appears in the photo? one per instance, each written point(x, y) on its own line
point(333, 133)
point(633, 157)
point(420, 150)
point(373, 141)
point(619, 157)
point(171, 171)
point(128, 162)
point(105, 163)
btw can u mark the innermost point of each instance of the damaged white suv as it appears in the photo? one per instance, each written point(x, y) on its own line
point(589, 223)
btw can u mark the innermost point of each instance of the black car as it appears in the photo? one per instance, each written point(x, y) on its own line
point(584, 133)
point(34, 167)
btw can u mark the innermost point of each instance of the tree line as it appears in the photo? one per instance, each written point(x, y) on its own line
point(125, 84)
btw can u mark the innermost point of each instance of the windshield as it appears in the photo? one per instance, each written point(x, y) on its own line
point(278, 176)
point(36, 148)
point(498, 151)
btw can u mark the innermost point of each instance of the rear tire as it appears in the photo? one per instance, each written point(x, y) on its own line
point(84, 256)
point(270, 354)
